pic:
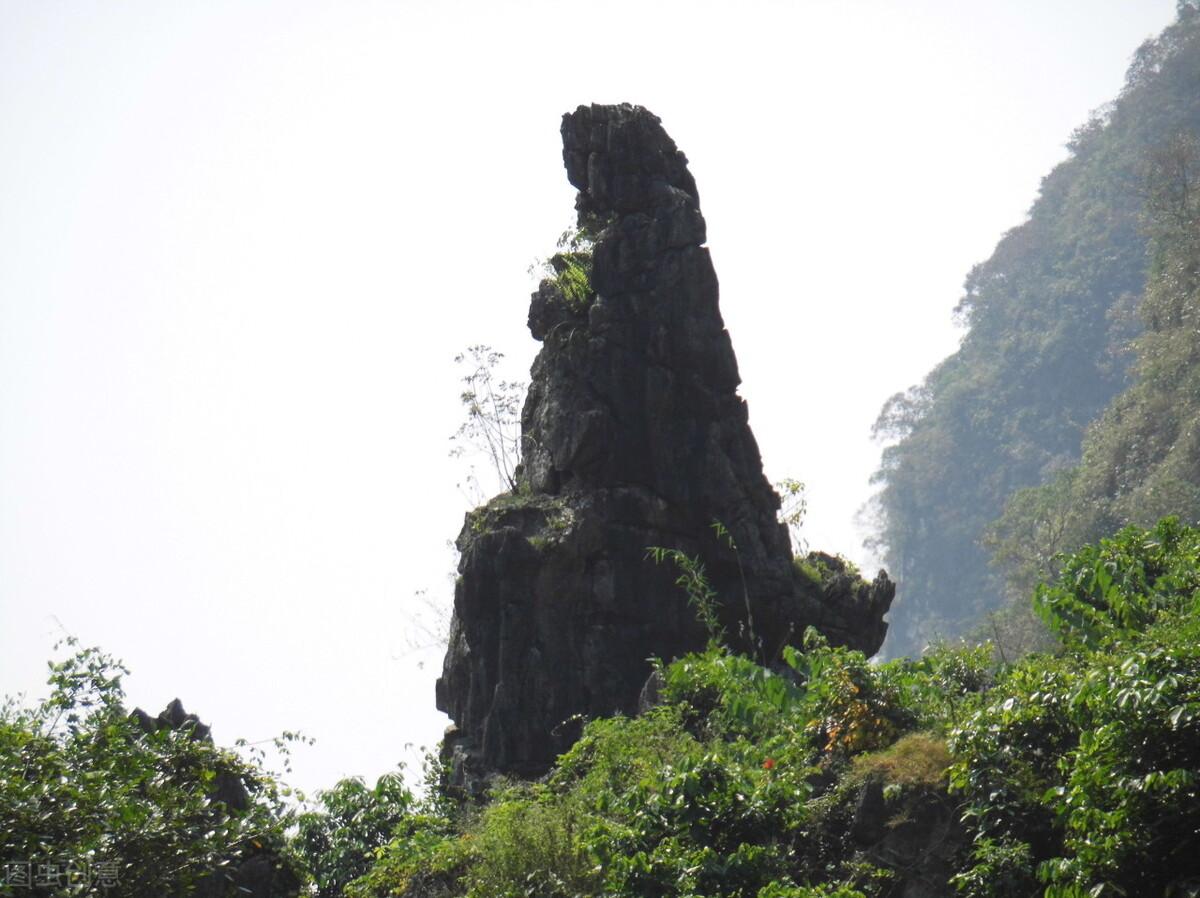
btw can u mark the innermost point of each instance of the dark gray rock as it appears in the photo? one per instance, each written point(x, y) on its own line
point(226, 786)
point(633, 436)
point(870, 813)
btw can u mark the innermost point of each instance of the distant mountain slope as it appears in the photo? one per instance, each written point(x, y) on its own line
point(1141, 458)
point(1049, 316)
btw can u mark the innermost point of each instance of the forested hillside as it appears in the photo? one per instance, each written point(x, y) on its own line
point(1141, 458)
point(1049, 319)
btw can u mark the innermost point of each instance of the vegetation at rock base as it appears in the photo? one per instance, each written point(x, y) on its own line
point(1063, 774)
point(1048, 321)
point(1060, 774)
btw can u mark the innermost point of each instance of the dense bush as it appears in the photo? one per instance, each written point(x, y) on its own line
point(1083, 770)
point(1065, 774)
point(90, 800)
point(338, 840)
point(742, 782)
point(1112, 591)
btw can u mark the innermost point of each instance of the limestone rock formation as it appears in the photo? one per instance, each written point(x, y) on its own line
point(633, 436)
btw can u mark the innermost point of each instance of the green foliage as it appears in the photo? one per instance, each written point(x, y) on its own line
point(716, 825)
point(831, 701)
point(1009, 751)
point(573, 277)
point(693, 581)
point(570, 269)
point(934, 691)
point(782, 890)
point(1084, 770)
point(82, 783)
point(1130, 797)
point(1140, 459)
point(813, 572)
point(820, 568)
point(616, 751)
point(527, 843)
point(425, 856)
point(1073, 774)
point(999, 869)
point(1118, 588)
point(1049, 317)
point(732, 695)
point(847, 708)
point(338, 842)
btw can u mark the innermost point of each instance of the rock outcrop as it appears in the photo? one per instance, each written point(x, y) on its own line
point(633, 436)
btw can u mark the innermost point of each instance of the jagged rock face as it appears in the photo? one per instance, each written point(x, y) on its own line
point(633, 435)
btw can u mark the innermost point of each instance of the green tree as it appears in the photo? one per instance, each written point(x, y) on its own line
point(153, 813)
point(339, 841)
point(1082, 771)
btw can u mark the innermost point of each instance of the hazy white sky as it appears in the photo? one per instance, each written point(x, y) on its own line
point(241, 242)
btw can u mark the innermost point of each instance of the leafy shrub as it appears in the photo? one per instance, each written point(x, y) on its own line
point(934, 691)
point(1009, 752)
point(614, 752)
point(999, 868)
point(731, 695)
point(1084, 770)
point(1117, 588)
point(527, 843)
point(1129, 802)
point(715, 825)
point(82, 783)
point(783, 890)
point(425, 856)
point(339, 841)
point(845, 708)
